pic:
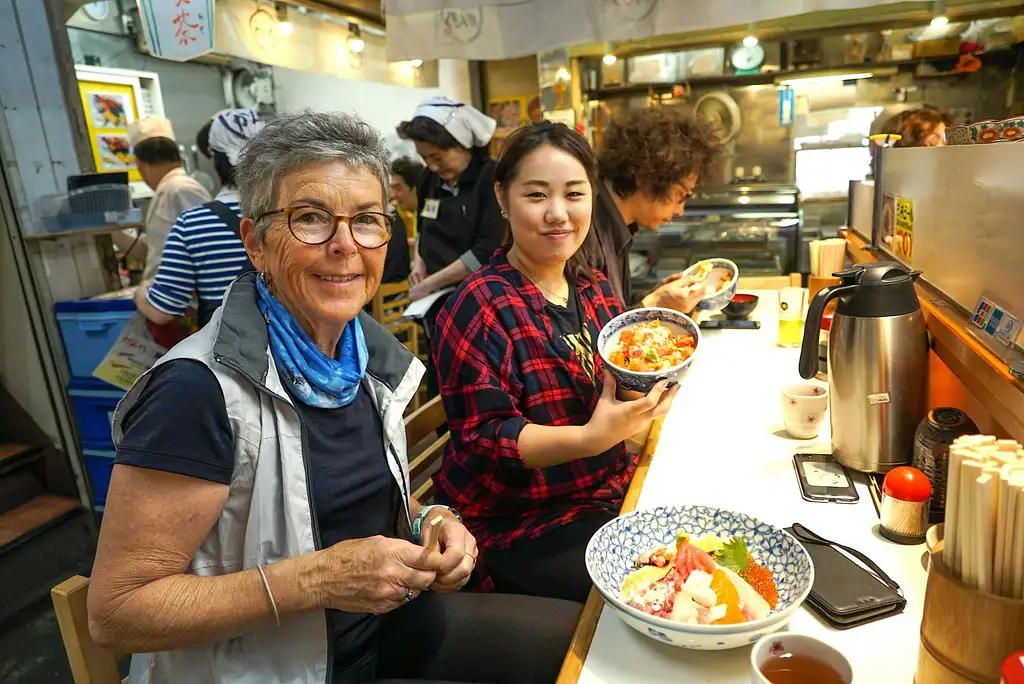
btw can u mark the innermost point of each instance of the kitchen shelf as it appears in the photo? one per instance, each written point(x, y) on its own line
point(84, 232)
point(1000, 56)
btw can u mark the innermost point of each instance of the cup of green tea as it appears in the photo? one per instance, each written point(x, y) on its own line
point(784, 658)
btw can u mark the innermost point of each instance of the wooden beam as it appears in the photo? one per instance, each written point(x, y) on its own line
point(579, 647)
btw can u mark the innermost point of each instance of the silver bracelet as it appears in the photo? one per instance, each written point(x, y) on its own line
point(273, 603)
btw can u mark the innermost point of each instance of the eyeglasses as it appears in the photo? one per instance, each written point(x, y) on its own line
point(315, 226)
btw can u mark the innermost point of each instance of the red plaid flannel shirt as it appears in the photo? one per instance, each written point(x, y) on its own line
point(500, 368)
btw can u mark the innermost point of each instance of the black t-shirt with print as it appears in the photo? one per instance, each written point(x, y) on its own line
point(567, 328)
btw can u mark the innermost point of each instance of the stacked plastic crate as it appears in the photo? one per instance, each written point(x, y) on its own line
point(90, 327)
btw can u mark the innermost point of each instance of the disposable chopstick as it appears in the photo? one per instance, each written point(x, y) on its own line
point(951, 554)
point(999, 579)
point(1010, 478)
point(1017, 578)
point(985, 505)
point(433, 538)
point(971, 520)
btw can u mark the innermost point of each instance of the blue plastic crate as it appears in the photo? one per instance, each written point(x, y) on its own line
point(94, 403)
point(90, 328)
point(99, 462)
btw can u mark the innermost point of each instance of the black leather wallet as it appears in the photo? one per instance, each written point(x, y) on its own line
point(846, 594)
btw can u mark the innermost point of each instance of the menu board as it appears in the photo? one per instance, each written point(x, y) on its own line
point(109, 108)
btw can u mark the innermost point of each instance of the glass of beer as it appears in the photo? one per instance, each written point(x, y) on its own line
point(792, 301)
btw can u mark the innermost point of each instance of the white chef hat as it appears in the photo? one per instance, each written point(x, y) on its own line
point(469, 126)
point(232, 129)
point(149, 127)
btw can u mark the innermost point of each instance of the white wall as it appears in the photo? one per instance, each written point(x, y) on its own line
point(382, 105)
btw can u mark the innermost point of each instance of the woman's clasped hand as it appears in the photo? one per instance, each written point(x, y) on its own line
point(376, 574)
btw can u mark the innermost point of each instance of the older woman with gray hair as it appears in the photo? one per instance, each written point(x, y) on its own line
point(259, 526)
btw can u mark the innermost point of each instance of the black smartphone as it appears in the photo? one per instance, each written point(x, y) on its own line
point(823, 479)
point(730, 325)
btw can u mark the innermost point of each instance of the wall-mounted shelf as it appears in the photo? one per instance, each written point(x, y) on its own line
point(84, 232)
point(995, 57)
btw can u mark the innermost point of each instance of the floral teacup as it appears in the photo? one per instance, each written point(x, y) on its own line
point(803, 408)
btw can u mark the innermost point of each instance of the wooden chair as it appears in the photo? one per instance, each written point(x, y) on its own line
point(389, 303)
point(388, 308)
point(768, 282)
point(419, 425)
point(90, 663)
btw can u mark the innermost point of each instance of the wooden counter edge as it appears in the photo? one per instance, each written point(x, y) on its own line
point(579, 647)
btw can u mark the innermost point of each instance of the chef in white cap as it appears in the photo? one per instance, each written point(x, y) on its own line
point(159, 163)
point(459, 224)
point(204, 251)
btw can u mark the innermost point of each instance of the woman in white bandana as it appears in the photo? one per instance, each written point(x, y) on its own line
point(459, 222)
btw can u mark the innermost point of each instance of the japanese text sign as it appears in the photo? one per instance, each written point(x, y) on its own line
point(178, 30)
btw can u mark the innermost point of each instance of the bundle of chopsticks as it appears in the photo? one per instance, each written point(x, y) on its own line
point(827, 257)
point(984, 534)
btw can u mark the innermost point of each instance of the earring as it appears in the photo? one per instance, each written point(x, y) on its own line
point(504, 214)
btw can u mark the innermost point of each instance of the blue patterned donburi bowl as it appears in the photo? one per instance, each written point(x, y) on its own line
point(614, 547)
point(716, 300)
point(637, 381)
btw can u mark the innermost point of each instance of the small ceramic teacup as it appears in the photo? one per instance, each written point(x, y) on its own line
point(784, 645)
point(803, 408)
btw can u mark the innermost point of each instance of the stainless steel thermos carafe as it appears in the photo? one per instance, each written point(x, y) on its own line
point(877, 364)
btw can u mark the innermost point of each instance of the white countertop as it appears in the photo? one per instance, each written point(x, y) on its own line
point(723, 444)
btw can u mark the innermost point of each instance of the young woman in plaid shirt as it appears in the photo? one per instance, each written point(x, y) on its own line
point(536, 462)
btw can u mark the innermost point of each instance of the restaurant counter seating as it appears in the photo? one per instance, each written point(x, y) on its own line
point(92, 664)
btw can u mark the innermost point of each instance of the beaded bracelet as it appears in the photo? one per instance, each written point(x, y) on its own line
point(417, 523)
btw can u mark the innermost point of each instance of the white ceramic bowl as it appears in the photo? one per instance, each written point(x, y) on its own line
point(717, 300)
point(637, 381)
point(614, 548)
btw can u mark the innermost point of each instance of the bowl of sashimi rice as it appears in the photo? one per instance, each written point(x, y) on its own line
point(699, 577)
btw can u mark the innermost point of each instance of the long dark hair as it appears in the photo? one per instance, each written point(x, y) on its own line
point(530, 138)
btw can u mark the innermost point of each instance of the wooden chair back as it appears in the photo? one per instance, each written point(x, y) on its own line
point(390, 302)
point(90, 663)
point(768, 282)
point(419, 425)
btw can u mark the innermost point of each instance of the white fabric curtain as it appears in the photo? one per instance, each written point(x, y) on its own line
point(504, 29)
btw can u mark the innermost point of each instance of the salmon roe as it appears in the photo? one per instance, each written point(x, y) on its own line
point(760, 578)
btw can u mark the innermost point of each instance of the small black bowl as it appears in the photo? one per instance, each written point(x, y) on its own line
point(741, 306)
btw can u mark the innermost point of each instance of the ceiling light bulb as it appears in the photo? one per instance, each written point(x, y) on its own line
point(940, 21)
point(285, 28)
point(356, 44)
point(562, 74)
point(416, 63)
point(609, 59)
point(750, 41)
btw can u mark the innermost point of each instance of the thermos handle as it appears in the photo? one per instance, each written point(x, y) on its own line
point(812, 327)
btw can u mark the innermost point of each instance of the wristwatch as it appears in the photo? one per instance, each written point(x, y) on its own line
point(417, 523)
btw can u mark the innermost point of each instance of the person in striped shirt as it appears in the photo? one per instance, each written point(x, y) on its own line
point(204, 252)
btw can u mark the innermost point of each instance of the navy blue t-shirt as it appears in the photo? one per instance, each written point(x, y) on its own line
point(180, 425)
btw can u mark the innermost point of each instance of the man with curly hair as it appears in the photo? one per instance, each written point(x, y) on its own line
point(650, 163)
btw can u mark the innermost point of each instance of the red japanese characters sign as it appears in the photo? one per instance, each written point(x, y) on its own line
point(178, 29)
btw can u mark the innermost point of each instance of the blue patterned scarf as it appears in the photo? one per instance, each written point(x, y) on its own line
point(315, 378)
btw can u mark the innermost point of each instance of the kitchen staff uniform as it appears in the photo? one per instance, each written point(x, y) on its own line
point(176, 192)
point(462, 222)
